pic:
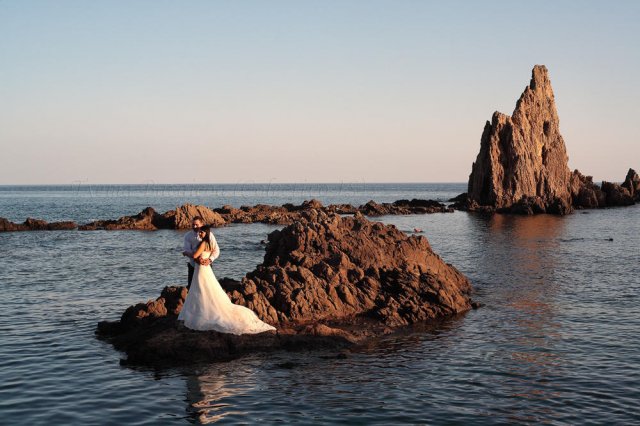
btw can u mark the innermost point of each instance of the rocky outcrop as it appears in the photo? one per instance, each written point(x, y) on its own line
point(413, 206)
point(35, 225)
point(326, 281)
point(522, 163)
point(147, 220)
point(632, 184)
point(522, 166)
point(326, 266)
point(150, 220)
point(587, 195)
point(183, 216)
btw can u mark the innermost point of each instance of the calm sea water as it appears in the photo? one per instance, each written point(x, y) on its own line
point(556, 342)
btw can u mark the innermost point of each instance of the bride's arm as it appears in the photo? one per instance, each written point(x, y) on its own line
point(199, 250)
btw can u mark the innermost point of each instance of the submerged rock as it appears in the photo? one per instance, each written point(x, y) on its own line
point(326, 281)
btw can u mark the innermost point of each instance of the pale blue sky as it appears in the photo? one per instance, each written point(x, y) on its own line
point(302, 91)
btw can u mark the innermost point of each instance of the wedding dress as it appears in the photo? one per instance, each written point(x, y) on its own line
point(207, 307)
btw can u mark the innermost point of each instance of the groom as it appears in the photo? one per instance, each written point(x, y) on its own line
point(191, 243)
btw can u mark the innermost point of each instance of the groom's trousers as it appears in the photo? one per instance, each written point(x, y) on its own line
point(190, 276)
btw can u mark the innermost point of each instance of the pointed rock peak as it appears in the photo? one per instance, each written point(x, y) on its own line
point(539, 77)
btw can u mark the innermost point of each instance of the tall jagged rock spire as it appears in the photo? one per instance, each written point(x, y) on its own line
point(523, 158)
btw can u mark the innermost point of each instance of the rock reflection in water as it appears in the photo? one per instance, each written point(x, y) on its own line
point(527, 247)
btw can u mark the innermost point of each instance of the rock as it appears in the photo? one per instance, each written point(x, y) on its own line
point(522, 163)
point(326, 281)
point(632, 184)
point(332, 267)
point(414, 206)
point(147, 220)
point(184, 216)
point(341, 208)
point(150, 220)
point(35, 225)
point(616, 195)
point(584, 193)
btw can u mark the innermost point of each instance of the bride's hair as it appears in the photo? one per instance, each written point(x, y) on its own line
point(206, 239)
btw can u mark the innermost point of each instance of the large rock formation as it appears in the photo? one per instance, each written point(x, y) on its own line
point(523, 158)
point(327, 266)
point(522, 166)
point(326, 281)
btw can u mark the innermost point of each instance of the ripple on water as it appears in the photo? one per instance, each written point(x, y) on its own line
point(555, 342)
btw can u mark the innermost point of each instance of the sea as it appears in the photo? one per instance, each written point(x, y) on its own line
point(557, 340)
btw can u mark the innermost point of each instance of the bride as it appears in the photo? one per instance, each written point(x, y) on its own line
point(207, 306)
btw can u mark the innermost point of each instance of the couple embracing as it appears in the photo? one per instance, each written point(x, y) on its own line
point(207, 306)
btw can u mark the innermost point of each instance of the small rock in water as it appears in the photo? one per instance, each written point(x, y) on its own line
point(417, 230)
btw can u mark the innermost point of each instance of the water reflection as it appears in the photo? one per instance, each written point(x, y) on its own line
point(522, 251)
point(209, 394)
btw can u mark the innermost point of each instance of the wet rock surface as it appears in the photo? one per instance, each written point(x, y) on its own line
point(326, 282)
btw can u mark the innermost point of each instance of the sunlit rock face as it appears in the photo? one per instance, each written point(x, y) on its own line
point(522, 157)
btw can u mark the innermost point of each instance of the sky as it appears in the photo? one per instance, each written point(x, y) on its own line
point(303, 91)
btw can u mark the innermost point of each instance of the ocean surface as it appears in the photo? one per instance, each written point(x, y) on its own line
point(557, 340)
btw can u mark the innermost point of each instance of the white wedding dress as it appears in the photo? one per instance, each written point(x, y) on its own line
point(208, 307)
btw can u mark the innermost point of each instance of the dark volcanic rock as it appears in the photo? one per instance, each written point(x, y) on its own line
point(414, 206)
point(331, 267)
point(617, 195)
point(35, 225)
point(522, 162)
point(326, 281)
